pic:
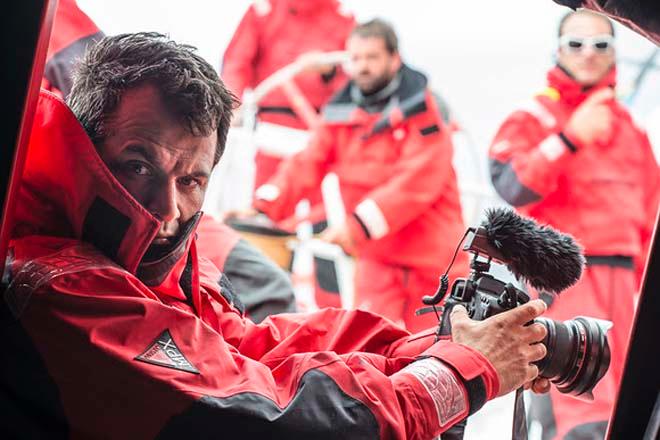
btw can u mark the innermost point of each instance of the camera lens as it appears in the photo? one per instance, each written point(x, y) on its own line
point(578, 354)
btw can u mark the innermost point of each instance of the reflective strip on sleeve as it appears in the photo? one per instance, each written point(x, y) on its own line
point(372, 217)
point(552, 148)
point(445, 389)
point(267, 192)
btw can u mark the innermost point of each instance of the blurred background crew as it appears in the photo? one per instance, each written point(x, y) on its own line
point(73, 31)
point(576, 160)
point(263, 287)
point(271, 35)
point(384, 138)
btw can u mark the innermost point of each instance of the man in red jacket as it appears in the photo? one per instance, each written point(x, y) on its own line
point(114, 327)
point(385, 139)
point(271, 35)
point(574, 159)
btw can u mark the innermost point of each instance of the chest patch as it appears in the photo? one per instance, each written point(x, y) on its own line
point(164, 352)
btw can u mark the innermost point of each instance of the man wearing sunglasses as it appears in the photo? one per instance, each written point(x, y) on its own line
point(574, 159)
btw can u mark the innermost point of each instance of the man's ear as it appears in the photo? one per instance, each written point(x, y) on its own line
point(396, 61)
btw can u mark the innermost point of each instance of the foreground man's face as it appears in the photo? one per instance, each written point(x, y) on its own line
point(156, 158)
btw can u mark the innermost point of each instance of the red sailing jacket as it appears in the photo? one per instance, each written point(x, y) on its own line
point(604, 195)
point(99, 343)
point(269, 38)
point(395, 175)
point(72, 32)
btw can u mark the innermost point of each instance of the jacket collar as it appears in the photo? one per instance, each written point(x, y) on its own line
point(67, 191)
point(572, 92)
point(408, 99)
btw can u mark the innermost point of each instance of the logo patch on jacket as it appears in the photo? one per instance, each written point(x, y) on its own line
point(164, 352)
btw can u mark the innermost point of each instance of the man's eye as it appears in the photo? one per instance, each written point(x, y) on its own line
point(138, 168)
point(189, 181)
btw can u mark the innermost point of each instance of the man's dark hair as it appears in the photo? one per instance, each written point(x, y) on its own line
point(379, 29)
point(564, 19)
point(188, 84)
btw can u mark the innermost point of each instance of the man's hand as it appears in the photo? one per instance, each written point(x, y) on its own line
point(313, 62)
point(339, 235)
point(509, 344)
point(592, 121)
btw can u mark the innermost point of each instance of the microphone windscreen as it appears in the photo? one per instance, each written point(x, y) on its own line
point(540, 255)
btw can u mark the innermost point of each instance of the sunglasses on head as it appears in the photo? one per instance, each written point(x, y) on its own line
point(599, 43)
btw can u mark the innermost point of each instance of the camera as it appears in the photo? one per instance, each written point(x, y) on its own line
point(578, 354)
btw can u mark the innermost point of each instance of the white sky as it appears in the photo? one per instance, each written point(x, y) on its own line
point(484, 57)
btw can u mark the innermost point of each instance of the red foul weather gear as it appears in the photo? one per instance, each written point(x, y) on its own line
point(397, 184)
point(73, 31)
point(604, 194)
point(102, 341)
point(267, 39)
point(259, 283)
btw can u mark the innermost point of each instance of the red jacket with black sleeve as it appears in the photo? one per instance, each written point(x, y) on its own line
point(605, 194)
point(73, 31)
point(269, 38)
point(395, 175)
point(101, 341)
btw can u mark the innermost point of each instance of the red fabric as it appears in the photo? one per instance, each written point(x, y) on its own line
point(409, 176)
point(215, 240)
point(70, 25)
point(269, 38)
point(606, 293)
point(395, 293)
point(82, 302)
point(604, 195)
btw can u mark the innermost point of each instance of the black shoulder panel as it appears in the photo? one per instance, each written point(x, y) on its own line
point(320, 410)
point(29, 398)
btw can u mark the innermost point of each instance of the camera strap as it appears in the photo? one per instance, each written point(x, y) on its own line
point(518, 430)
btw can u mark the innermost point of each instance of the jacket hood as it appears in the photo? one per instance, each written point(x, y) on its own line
point(407, 100)
point(572, 92)
point(67, 191)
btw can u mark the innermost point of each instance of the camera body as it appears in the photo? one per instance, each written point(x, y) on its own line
point(482, 295)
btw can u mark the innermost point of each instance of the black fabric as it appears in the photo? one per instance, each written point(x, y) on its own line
point(259, 284)
point(410, 95)
point(158, 261)
point(570, 145)
point(186, 280)
point(227, 291)
point(30, 405)
point(508, 186)
point(319, 410)
point(105, 227)
point(429, 130)
point(611, 261)
point(476, 389)
point(59, 69)
point(588, 431)
point(326, 275)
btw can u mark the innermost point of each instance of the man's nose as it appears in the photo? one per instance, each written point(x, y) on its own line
point(164, 204)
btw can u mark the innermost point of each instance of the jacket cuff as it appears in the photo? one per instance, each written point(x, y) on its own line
point(357, 229)
point(570, 140)
point(372, 219)
point(479, 376)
